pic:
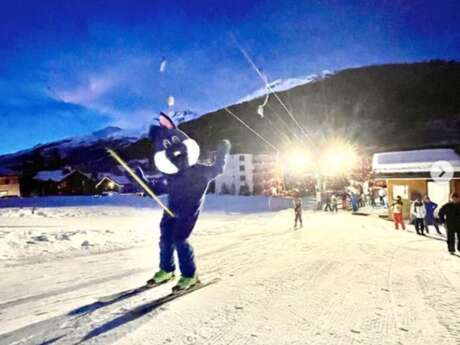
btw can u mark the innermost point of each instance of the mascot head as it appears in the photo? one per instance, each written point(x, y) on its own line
point(174, 150)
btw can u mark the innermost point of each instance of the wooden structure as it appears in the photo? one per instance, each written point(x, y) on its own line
point(408, 174)
point(9, 183)
point(113, 183)
point(64, 182)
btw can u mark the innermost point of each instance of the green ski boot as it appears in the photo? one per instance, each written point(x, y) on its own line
point(161, 277)
point(185, 283)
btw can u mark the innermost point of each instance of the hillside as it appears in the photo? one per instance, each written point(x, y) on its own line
point(377, 108)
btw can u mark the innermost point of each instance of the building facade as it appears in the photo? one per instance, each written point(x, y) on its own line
point(251, 174)
point(237, 177)
point(108, 182)
point(9, 183)
point(408, 174)
point(64, 182)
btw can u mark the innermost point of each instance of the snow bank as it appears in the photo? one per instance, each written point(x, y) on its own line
point(46, 233)
point(226, 203)
point(50, 227)
point(47, 244)
point(78, 201)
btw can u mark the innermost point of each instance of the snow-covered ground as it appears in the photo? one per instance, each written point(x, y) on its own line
point(342, 279)
point(41, 229)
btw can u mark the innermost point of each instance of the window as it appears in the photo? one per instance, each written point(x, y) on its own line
point(243, 178)
point(242, 168)
point(241, 158)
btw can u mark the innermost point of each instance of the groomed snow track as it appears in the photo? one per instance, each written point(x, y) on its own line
point(342, 279)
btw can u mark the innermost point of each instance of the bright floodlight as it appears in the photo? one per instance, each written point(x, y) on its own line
point(339, 159)
point(298, 160)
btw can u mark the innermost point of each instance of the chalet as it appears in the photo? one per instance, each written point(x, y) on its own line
point(9, 183)
point(108, 182)
point(409, 174)
point(64, 182)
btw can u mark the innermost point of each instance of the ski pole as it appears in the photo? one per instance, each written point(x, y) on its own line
point(144, 186)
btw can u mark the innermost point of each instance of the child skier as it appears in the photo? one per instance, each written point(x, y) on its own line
point(397, 209)
point(298, 212)
point(185, 182)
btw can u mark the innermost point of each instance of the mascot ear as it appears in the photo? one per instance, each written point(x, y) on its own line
point(166, 122)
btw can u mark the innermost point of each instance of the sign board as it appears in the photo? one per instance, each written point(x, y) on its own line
point(401, 190)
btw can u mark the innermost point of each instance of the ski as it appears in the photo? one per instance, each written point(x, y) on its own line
point(197, 286)
point(170, 297)
point(144, 309)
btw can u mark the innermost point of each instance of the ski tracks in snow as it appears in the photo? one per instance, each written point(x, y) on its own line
point(341, 279)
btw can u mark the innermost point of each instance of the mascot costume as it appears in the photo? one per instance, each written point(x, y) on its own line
point(185, 181)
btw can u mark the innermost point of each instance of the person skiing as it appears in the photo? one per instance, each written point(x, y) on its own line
point(334, 204)
point(430, 218)
point(396, 209)
point(319, 200)
point(354, 202)
point(185, 182)
point(372, 199)
point(328, 206)
point(382, 195)
point(449, 214)
point(418, 214)
point(298, 212)
point(344, 201)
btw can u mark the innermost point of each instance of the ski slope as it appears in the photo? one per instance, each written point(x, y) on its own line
point(342, 279)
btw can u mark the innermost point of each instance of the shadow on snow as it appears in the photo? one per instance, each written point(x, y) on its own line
point(89, 308)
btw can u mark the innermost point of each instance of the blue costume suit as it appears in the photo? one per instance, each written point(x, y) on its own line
point(186, 190)
point(430, 207)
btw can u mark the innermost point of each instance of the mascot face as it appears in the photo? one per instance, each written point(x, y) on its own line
point(174, 150)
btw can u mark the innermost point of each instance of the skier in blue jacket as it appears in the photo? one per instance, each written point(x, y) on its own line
point(430, 218)
point(185, 182)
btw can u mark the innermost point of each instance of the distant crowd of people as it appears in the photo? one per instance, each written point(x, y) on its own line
point(353, 200)
point(423, 215)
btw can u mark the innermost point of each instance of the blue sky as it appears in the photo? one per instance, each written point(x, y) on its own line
point(70, 67)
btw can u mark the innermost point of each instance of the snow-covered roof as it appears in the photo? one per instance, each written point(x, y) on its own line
point(50, 175)
point(56, 175)
point(118, 179)
point(414, 161)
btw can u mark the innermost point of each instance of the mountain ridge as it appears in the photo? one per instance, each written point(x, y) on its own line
point(380, 107)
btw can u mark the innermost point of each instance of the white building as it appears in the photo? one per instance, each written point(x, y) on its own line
point(237, 176)
point(254, 174)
